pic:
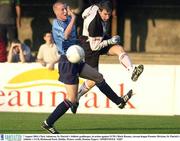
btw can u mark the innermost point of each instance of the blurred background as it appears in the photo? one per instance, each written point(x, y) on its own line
point(144, 26)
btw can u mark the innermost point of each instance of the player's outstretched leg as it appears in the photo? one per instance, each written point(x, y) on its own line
point(48, 128)
point(125, 99)
point(137, 72)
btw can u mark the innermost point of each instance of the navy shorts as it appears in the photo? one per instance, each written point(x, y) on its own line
point(69, 72)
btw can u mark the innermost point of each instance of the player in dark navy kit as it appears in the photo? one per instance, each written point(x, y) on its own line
point(64, 34)
point(96, 42)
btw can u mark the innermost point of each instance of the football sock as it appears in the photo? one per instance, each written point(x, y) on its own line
point(106, 89)
point(126, 61)
point(83, 89)
point(58, 112)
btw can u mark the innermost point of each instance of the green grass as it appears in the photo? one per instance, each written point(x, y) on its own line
point(29, 123)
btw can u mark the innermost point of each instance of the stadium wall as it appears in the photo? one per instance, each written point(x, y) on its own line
point(155, 23)
point(30, 87)
point(161, 38)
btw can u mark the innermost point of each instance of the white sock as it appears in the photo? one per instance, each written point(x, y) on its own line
point(126, 61)
point(83, 89)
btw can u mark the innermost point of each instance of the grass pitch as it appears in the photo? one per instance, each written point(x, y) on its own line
point(29, 123)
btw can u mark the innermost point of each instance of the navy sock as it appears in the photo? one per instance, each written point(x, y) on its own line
point(106, 89)
point(58, 112)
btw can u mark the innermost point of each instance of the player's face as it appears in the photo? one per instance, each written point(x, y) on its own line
point(105, 15)
point(61, 11)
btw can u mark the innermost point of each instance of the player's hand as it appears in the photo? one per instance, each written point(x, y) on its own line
point(70, 12)
point(43, 63)
point(114, 40)
point(51, 66)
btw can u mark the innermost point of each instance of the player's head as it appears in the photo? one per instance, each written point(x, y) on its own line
point(105, 10)
point(60, 10)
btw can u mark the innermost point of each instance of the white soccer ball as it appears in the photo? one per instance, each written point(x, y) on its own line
point(75, 54)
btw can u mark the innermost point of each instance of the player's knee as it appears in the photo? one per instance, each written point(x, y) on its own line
point(99, 78)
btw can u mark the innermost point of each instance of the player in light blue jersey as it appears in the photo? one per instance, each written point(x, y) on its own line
point(59, 35)
point(64, 34)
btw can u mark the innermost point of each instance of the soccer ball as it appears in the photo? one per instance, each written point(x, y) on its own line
point(75, 54)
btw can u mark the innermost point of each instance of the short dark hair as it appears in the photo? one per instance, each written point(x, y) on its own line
point(105, 4)
point(16, 41)
point(44, 34)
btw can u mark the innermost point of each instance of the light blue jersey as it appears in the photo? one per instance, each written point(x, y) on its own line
point(58, 29)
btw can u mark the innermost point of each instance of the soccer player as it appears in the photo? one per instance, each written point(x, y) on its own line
point(64, 34)
point(96, 42)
